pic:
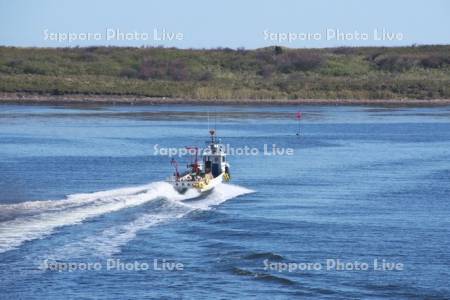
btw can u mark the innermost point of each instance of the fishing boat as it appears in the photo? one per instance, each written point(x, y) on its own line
point(204, 174)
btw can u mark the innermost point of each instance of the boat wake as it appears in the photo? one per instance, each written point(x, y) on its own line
point(39, 219)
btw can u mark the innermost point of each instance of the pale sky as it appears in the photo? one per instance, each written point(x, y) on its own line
point(231, 23)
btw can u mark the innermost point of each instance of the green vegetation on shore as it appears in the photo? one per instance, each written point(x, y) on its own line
point(417, 72)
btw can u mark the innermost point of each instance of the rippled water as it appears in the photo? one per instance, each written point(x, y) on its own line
point(83, 185)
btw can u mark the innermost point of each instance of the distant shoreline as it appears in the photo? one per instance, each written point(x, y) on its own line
point(28, 98)
point(153, 75)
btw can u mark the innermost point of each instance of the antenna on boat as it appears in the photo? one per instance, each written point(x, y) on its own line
point(208, 119)
point(212, 131)
point(215, 119)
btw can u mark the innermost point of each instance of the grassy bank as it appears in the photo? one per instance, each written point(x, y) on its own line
point(269, 73)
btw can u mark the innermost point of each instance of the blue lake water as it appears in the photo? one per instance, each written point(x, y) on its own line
point(83, 186)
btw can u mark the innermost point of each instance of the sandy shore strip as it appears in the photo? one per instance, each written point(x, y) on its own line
point(28, 98)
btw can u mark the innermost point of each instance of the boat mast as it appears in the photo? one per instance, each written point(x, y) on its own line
point(212, 132)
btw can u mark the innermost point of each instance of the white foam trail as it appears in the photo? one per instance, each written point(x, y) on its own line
point(109, 241)
point(71, 201)
point(75, 209)
point(220, 194)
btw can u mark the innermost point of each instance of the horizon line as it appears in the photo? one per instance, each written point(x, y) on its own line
point(221, 47)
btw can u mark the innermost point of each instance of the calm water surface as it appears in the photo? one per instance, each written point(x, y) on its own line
point(83, 185)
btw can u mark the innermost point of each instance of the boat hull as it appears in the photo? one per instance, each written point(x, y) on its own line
point(183, 187)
